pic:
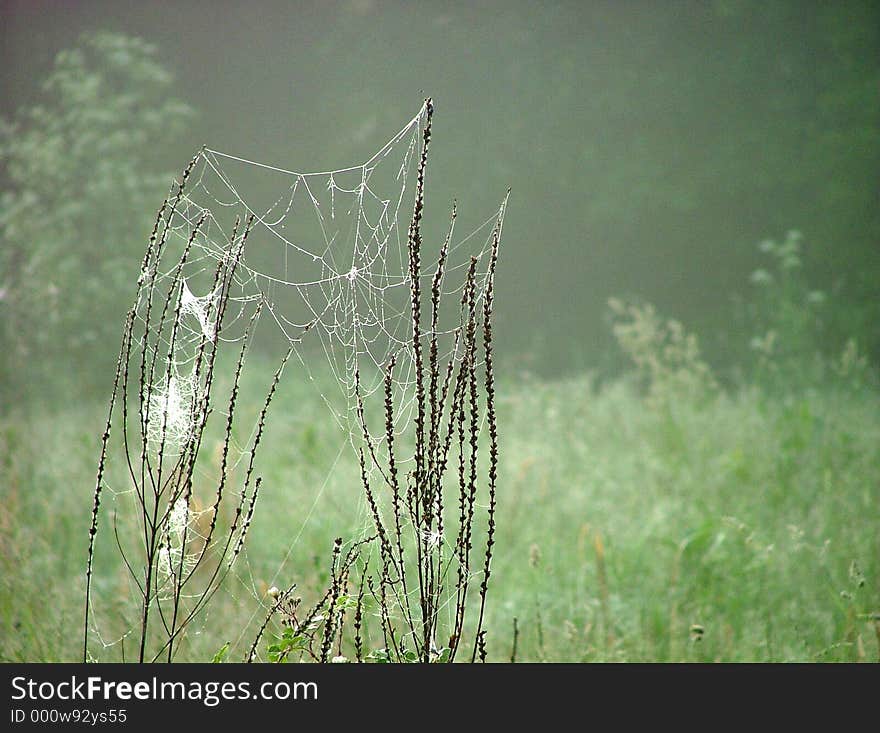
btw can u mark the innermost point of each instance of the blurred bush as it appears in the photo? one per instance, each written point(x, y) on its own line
point(80, 190)
point(797, 334)
point(785, 316)
point(790, 337)
point(667, 358)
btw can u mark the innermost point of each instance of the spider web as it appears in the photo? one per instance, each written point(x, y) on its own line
point(327, 257)
point(327, 262)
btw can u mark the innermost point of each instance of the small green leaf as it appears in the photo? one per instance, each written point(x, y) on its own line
point(221, 654)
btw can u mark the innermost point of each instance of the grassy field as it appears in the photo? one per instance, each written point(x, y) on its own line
point(739, 527)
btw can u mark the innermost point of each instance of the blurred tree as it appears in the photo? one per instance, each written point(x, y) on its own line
point(702, 128)
point(79, 193)
point(650, 146)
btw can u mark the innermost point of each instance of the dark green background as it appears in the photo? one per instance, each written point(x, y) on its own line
point(650, 145)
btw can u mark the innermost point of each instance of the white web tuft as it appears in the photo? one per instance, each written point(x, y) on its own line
point(198, 308)
point(171, 410)
point(173, 559)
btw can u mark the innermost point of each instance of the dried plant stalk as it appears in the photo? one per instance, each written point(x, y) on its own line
point(422, 578)
point(174, 569)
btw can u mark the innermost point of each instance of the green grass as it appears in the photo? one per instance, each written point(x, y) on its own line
point(620, 525)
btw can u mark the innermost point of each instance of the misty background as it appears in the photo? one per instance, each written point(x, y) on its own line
point(650, 147)
point(686, 320)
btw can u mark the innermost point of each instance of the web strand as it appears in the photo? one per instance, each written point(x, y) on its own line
point(326, 261)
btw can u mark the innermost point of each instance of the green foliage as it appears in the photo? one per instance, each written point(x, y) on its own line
point(80, 193)
point(667, 357)
point(380, 656)
point(788, 321)
point(785, 314)
point(221, 654)
point(288, 646)
point(743, 516)
point(338, 628)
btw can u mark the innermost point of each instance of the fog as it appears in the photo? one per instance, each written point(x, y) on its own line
point(649, 146)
